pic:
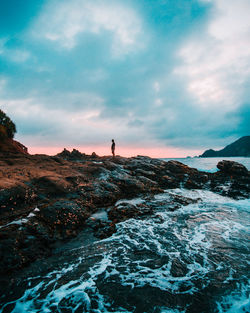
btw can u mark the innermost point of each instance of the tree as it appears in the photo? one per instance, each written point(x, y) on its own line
point(7, 127)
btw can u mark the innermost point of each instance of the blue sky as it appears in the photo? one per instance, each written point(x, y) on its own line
point(162, 77)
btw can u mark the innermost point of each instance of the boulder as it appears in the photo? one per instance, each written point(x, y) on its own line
point(232, 168)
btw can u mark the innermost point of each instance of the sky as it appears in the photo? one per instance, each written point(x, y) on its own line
point(164, 78)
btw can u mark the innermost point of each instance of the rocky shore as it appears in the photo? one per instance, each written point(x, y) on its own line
point(49, 199)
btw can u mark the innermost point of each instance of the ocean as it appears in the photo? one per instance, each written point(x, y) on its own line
point(193, 259)
point(209, 164)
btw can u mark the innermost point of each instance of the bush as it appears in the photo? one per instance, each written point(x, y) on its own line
point(7, 127)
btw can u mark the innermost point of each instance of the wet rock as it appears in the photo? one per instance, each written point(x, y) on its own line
point(232, 180)
point(146, 181)
point(18, 247)
point(232, 168)
point(148, 174)
point(176, 167)
point(104, 230)
point(126, 210)
point(169, 182)
point(183, 200)
point(101, 194)
point(63, 218)
point(178, 268)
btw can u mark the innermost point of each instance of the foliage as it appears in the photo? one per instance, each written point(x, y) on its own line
point(7, 127)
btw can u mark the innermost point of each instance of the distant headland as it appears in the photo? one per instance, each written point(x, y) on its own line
point(239, 148)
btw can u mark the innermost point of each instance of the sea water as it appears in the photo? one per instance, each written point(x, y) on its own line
point(194, 259)
point(209, 164)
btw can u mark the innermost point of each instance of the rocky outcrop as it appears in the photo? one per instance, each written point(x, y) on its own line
point(46, 199)
point(10, 146)
point(239, 148)
point(232, 180)
point(232, 168)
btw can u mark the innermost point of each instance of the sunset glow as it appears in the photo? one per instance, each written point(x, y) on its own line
point(161, 152)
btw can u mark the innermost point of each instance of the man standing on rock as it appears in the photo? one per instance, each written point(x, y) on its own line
point(113, 147)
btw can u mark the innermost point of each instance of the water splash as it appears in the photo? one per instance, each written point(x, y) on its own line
point(194, 259)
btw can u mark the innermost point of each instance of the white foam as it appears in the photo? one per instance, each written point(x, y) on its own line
point(22, 220)
point(16, 222)
point(100, 215)
point(146, 252)
point(134, 201)
point(237, 302)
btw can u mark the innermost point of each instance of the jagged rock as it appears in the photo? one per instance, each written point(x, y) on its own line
point(77, 154)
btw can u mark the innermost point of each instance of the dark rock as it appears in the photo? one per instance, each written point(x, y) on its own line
point(63, 218)
point(232, 168)
point(50, 186)
point(178, 268)
point(104, 230)
point(75, 155)
point(126, 210)
point(176, 167)
point(183, 200)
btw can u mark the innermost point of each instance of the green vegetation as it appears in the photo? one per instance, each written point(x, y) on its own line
point(7, 127)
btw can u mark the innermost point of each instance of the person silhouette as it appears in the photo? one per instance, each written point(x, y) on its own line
point(113, 147)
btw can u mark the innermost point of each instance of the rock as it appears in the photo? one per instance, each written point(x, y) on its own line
point(176, 167)
point(126, 210)
point(77, 154)
point(104, 229)
point(178, 268)
point(183, 200)
point(18, 248)
point(68, 188)
point(232, 168)
point(65, 154)
point(9, 146)
point(63, 218)
point(49, 185)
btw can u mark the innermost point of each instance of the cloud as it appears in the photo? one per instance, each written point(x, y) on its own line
point(149, 74)
point(18, 55)
point(63, 22)
point(55, 125)
point(3, 82)
point(216, 62)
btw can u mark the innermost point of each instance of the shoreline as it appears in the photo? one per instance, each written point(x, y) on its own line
point(47, 200)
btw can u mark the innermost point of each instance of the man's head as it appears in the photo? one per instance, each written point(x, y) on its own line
point(113, 140)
